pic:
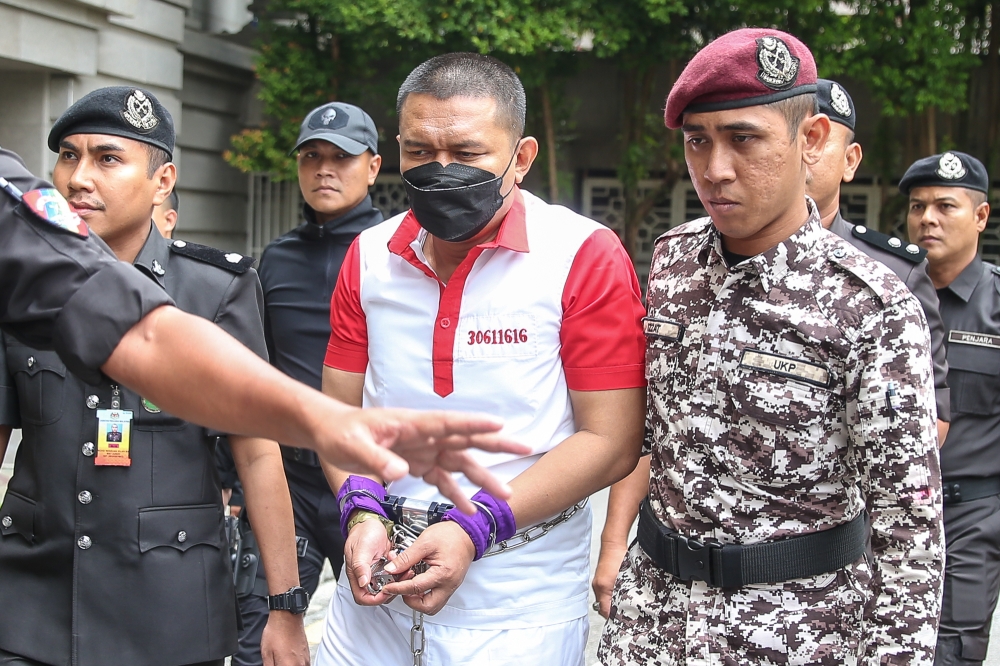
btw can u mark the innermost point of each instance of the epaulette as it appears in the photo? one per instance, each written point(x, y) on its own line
point(691, 227)
point(909, 251)
point(996, 270)
point(230, 261)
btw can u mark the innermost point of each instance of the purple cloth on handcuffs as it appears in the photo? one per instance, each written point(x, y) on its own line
point(359, 500)
point(479, 526)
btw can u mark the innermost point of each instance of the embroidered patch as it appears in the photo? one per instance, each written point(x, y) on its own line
point(138, 112)
point(512, 335)
point(785, 366)
point(49, 205)
point(662, 328)
point(839, 102)
point(950, 167)
point(328, 119)
point(975, 339)
point(777, 68)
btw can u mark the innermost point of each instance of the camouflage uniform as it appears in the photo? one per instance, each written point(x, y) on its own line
point(743, 456)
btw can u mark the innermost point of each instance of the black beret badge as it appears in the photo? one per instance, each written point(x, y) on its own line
point(950, 167)
point(839, 102)
point(138, 112)
point(777, 68)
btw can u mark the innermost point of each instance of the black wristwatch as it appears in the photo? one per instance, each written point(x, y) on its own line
point(295, 601)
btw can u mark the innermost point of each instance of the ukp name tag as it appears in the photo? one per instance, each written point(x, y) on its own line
point(784, 366)
point(976, 339)
point(114, 429)
point(662, 328)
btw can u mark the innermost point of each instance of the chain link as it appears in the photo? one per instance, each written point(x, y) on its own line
point(535, 531)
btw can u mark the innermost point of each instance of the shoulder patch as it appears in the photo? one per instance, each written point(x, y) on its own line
point(230, 261)
point(909, 251)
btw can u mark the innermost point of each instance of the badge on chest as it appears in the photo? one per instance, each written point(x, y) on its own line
point(114, 430)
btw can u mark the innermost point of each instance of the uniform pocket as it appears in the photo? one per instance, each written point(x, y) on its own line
point(17, 516)
point(41, 384)
point(778, 433)
point(181, 527)
point(974, 379)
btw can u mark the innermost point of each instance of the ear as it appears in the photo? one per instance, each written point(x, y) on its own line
point(815, 131)
point(166, 178)
point(853, 156)
point(526, 154)
point(170, 217)
point(982, 214)
point(373, 169)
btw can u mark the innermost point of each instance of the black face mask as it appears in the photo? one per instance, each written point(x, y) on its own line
point(454, 202)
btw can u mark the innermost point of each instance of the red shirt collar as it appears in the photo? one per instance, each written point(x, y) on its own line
point(513, 234)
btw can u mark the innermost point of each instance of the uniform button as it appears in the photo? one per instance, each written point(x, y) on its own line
point(93, 401)
point(31, 361)
point(839, 253)
point(861, 229)
point(7, 521)
point(182, 536)
point(234, 258)
point(85, 497)
point(445, 323)
point(88, 449)
point(895, 242)
point(179, 243)
point(84, 542)
point(912, 249)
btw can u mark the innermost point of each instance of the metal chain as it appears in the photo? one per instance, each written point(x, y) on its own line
point(402, 538)
point(535, 531)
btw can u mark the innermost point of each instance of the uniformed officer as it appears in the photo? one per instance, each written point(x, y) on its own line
point(133, 504)
point(948, 211)
point(790, 394)
point(838, 163)
point(64, 290)
point(338, 161)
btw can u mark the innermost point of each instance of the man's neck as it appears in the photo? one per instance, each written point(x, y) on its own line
point(775, 233)
point(445, 257)
point(828, 211)
point(945, 271)
point(322, 218)
point(128, 247)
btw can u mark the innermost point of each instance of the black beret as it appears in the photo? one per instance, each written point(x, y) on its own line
point(836, 103)
point(122, 111)
point(951, 169)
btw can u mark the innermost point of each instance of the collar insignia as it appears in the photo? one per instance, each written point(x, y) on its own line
point(49, 205)
point(838, 100)
point(777, 67)
point(138, 112)
point(950, 167)
point(157, 268)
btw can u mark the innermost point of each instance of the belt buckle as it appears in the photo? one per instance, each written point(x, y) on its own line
point(694, 560)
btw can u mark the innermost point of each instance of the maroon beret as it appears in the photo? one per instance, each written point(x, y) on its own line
point(745, 67)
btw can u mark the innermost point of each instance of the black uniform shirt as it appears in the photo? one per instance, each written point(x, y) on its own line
point(298, 272)
point(61, 291)
point(913, 273)
point(970, 307)
point(121, 565)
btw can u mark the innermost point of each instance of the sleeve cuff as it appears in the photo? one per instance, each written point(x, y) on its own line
point(347, 357)
point(606, 379)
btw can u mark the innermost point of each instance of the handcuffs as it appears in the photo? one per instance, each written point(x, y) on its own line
point(410, 517)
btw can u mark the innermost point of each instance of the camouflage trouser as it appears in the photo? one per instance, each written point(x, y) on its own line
point(659, 620)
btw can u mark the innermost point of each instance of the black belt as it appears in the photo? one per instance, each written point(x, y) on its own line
point(966, 489)
point(735, 565)
point(301, 456)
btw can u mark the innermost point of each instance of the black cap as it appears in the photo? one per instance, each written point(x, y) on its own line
point(132, 113)
point(344, 125)
point(836, 103)
point(951, 169)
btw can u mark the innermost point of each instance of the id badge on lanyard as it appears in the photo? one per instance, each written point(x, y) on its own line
point(114, 431)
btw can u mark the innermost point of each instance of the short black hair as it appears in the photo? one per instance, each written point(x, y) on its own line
point(157, 158)
point(173, 201)
point(470, 75)
point(978, 198)
point(796, 109)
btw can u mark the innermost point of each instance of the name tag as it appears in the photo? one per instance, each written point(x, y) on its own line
point(496, 336)
point(662, 328)
point(114, 430)
point(976, 339)
point(784, 366)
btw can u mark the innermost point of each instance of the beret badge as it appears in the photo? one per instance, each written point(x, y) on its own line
point(138, 112)
point(838, 100)
point(950, 167)
point(777, 67)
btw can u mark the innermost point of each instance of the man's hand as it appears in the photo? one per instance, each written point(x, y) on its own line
point(430, 445)
point(448, 551)
point(284, 640)
point(366, 543)
point(608, 564)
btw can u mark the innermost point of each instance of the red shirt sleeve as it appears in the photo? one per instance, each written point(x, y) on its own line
point(603, 347)
point(348, 346)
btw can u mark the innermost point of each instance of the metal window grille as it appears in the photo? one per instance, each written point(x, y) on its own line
point(275, 206)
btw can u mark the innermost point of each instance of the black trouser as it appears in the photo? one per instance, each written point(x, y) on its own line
point(971, 583)
point(10, 659)
point(317, 518)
